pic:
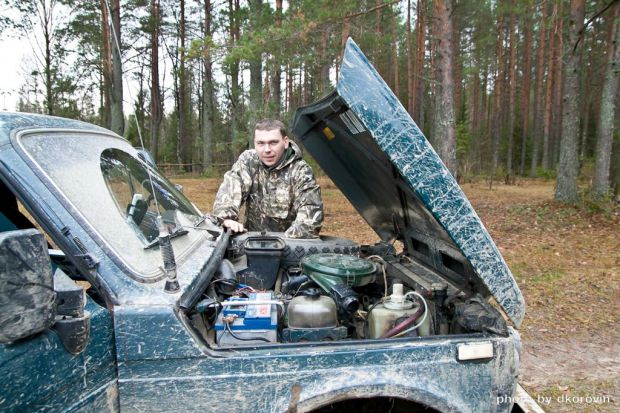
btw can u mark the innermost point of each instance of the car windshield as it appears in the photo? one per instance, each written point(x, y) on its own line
point(117, 194)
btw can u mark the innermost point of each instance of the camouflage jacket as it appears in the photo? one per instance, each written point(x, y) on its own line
point(284, 197)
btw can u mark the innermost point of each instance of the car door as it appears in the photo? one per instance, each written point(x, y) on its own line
point(56, 341)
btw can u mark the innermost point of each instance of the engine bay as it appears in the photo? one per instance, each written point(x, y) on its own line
point(269, 289)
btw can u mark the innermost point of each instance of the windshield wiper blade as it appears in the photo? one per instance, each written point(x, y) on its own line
point(201, 220)
point(214, 221)
point(176, 233)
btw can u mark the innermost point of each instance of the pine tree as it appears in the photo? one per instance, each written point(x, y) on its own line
point(601, 184)
point(566, 188)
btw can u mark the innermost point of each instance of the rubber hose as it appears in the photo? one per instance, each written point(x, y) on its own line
point(405, 324)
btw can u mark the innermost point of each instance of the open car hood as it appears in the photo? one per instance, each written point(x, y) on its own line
point(366, 142)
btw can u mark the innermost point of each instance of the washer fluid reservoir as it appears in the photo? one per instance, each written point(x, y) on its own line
point(312, 310)
point(383, 316)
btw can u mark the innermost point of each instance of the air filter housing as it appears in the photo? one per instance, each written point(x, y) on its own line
point(331, 269)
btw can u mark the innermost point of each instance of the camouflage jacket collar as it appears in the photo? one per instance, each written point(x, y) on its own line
point(290, 155)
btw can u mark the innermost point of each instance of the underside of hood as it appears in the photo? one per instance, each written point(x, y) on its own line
point(366, 142)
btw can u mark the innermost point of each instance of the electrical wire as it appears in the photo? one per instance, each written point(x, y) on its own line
point(236, 337)
point(232, 283)
point(382, 262)
point(248, 302)
point(402, 333)
point(372, 307)
point(408, 258)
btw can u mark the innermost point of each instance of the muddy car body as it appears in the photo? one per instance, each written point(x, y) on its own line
point(134, 342)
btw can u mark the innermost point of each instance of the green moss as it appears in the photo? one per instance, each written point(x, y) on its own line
point(549, 276)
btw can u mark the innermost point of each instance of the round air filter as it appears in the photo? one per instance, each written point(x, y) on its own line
point(330, 269)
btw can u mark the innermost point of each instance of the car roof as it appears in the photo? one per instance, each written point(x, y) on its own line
point(12, 121)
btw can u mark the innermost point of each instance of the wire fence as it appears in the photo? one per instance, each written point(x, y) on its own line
point(193, 170)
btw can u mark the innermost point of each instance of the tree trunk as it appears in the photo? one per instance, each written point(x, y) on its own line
point(117, 123)
point(395, 54)
point(525, 85)
point(566, 188)
point(382, 60)
point(539, 97)
point(344, 35)
point(549, 93)
point(409, 63)
point(601, 185)
point(235, 90)
point(277, 69)
point(456, 64)
point(186, 141)
point(289, 88)
point(587, 107)
point(325, 62)
point(432, 29)
point(45, 16)
point(445, 134)
point(512, 85)
point(304, 84)
point(474, 114)
point(556, 115)
point(497, 110)
point(208, 93)
point(256, 72)
point(615, 170)
point(418, 69)
point(106, 63)
point(484, 123)
point(156, 103)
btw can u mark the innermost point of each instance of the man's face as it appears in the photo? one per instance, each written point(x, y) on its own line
point(270, 145)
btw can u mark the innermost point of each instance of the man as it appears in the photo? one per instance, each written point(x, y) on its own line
point(275, 184)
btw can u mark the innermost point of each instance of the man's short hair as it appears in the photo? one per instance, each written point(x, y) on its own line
point(271, 124)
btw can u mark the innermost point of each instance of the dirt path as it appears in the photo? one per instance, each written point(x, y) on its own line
point(569, 375)
point(547, 362)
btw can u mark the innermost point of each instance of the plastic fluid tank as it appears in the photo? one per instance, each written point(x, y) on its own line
point(312, 310)
point(383, 316)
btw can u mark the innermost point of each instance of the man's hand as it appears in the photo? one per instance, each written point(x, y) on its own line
point(233, 225)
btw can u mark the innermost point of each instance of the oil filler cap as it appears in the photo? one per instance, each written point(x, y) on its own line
point(312, 293)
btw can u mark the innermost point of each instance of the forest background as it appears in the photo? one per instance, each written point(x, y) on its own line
point(502, 89)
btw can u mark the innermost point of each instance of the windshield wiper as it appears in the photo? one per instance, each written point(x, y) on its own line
point(212, 219)
point(201, 220)
point(176, 233)
point(214, 228)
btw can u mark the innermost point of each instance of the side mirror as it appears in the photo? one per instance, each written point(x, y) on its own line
point(27, 297)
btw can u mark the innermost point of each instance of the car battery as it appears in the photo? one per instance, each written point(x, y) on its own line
point(247, 324)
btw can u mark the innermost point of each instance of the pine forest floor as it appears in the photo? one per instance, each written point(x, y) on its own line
point(567, 263)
